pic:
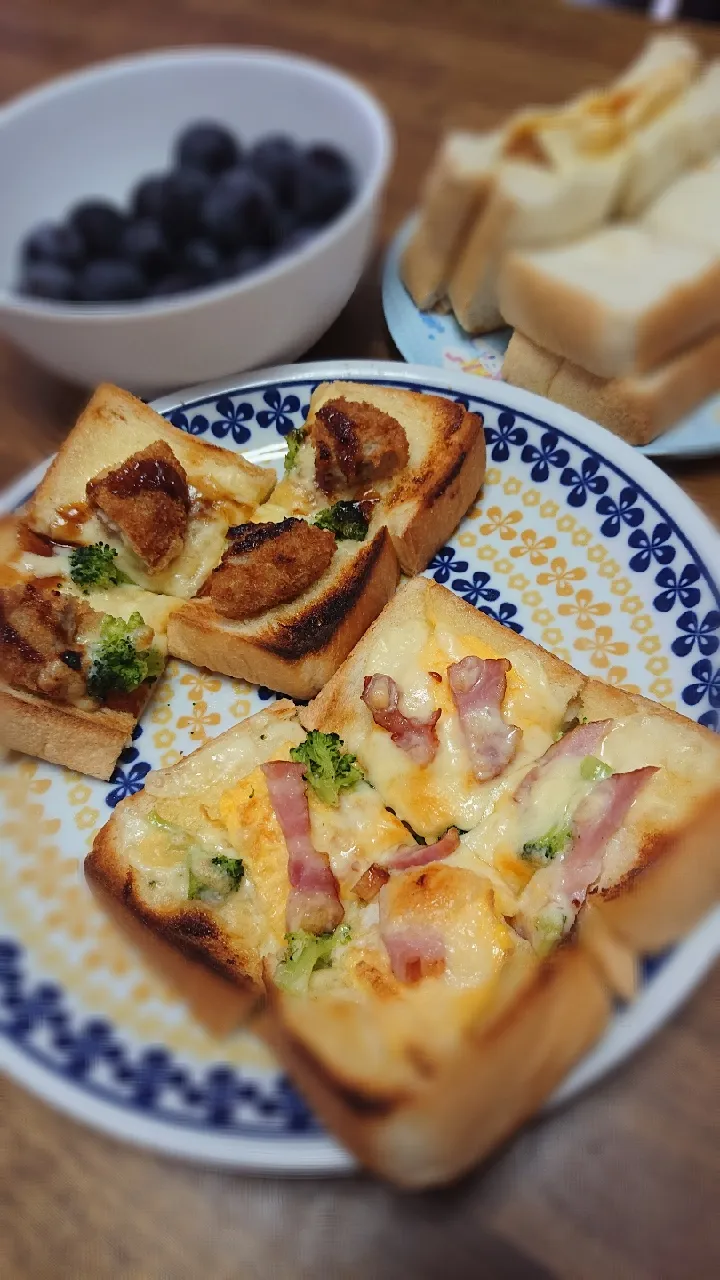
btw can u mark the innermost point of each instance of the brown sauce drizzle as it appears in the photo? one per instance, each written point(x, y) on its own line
point(36, 544)
point(146, 475)
point(69, 521)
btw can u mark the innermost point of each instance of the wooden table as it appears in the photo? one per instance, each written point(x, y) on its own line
point(624, 1182)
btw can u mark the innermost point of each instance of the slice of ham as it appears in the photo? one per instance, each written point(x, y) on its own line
point(596, 819)
point(314, 902)
point(415, 951)
point(417, 738)
point(418, 855)
point(478, 686)
point(581, 741)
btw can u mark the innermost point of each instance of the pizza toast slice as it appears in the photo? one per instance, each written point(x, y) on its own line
point(376, 480)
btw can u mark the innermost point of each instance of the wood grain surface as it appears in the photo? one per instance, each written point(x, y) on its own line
point(624, 1182)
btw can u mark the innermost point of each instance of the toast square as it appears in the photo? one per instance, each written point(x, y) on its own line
point(114, 426)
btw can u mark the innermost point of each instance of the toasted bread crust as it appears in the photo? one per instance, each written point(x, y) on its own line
point(296, 650)
point(192, 929)
point(87, 741)
point(423, 503)
point(427, 1121)
point(112, 426)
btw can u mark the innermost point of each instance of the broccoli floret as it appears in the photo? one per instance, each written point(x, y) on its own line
point(121, 658)
point(94, 569)
point(231, 867)
point(594, 770)
point(305, 953)
point(294, 440)
point(555, 841)
point(548, 928)
point(211, 878)
point(345, 520)
point(329, 770)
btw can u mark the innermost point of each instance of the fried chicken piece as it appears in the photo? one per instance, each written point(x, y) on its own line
point(268, 564)
point(38, 642)
point(355, 443)
point(146, 499)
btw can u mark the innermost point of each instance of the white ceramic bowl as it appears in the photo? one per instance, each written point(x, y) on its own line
point(97, 132)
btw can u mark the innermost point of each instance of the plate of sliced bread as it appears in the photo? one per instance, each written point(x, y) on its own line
point(585, 237)
point(360, 795)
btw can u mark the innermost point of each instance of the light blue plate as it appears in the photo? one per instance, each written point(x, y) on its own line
point(430, 339)
point(576, 541)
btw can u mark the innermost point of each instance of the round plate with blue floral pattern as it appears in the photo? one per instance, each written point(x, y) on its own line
point(575, 541)
point(428, 338)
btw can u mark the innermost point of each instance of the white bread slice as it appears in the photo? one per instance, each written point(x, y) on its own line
point(114, 425)
point(665, 66)
point(687, 211)
point(687, 132)
point(638, 407)
point(530, 205)
point(619, 302)
point(456, 186)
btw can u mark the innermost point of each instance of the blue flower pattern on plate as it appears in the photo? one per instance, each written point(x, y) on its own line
point(195, 426)
point(654, 546)
point(707, 686)
point(588, 479)
point(504, 437)
point(675, 588)
point(476, 590)
point(278, 412)
point(505, 614)
point(232, 420)
point(702, 632)
point(444, 563)
point(624, 511)
point(544, 456)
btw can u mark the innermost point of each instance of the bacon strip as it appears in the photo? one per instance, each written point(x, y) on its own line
point(478, 686)
point(417, 738)
point(596, 819)
point(371, 882)
point(581, 741)
point(314, 902)
point(415, 951)
point(417, 855)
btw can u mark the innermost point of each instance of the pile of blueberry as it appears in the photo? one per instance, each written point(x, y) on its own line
point(218, 213)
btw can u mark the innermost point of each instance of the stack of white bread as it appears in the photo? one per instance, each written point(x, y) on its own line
point(589, 228)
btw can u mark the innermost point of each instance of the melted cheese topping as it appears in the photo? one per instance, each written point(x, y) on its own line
point(248, 815)
point(445, 793)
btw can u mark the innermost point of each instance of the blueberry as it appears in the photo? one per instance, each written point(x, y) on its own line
point(249, 260)
point(175, 282)
point(202, 262)
point(111, 280)
point(241, 212)
point(207, 146)
point(183, 195)
point(49, 280)
point(99, 225)
point(143, 242)
point(278, 160)
point(147, 197)
point(326, 185)
point(51, 242)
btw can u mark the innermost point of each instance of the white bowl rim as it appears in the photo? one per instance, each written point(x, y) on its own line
point(68, 313)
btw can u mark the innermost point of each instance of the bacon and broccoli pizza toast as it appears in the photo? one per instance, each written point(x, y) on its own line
point(375, 481)
point(427, 989)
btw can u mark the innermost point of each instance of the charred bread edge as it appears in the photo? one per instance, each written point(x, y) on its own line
point(86, 741)
point(298, 656)
point(509, 1063)
point(192, 929)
